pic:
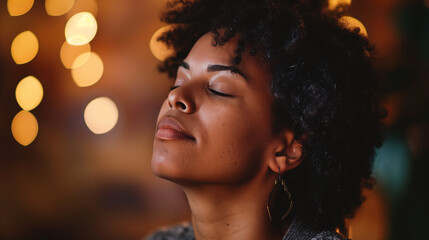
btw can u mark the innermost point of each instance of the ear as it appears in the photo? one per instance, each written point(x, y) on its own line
point(286, 152)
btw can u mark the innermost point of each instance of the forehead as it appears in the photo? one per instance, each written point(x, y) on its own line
point(203, 53)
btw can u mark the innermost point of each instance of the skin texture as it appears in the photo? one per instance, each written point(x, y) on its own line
point(228, 165)
point(324, 86)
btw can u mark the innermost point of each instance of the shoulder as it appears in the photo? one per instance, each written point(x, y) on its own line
point(300, 231)
point(180, 232)
point(328, 236)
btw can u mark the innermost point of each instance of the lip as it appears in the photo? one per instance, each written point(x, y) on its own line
point(171, 129)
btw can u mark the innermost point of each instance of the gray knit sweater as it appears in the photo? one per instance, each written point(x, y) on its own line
point(296, 231)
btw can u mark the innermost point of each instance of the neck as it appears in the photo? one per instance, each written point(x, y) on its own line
point(237, 212)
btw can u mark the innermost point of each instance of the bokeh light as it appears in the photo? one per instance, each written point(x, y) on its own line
point(88, 73)
point(334, 3)
point(24, 128)
point(101, 115)
point(29, 93)
point(352, 23)
point(159, 49)
point(19, 7)
point(69, 54)
point(84, 6)
point(81, 28)
point(58, 7)
point(24, 47)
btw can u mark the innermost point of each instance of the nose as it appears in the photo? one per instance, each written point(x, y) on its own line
point(181, 99)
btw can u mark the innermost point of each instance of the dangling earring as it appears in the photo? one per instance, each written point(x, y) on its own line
point(279, 197)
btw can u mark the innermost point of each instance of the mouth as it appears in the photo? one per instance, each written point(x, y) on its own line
point(171, 129)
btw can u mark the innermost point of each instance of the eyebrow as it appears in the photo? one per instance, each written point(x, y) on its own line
point(217, 67)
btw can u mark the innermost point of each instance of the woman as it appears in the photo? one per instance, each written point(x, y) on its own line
point(271, 124)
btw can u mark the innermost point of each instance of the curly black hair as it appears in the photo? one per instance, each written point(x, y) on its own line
point(323, 84)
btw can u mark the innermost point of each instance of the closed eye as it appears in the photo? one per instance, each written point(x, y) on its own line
point(219, 93)
point(211, 91)
point(173, 87)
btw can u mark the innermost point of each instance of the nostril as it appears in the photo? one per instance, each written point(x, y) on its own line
point(181, 105)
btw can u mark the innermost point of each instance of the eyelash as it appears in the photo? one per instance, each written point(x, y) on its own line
point(212, 91)
point(219, 93)
point(173, 87)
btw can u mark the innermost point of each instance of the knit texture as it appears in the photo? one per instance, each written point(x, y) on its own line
point(296, 231)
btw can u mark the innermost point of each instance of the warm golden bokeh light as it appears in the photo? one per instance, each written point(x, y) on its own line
point(24, 47)
point(19, 7)
point(334, 3)
point(84, 6)
point(24, 128)
point(88, 73)
point(352, 23)
point(101, 115)
point(69, 54)
point(159, 49)
point(58, 7)
point(29, 93)
point(81, 28)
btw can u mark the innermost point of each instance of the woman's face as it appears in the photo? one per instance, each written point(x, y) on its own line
point(216, 124)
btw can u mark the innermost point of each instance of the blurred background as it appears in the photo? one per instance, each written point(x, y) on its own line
point(80, 93)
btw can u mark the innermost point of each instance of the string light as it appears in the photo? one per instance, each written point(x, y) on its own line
point(81, 28)
point(24, 127)
point(58, 7)
point(101, 115)
point(69, 54)
point(24, 47)
point(29, 93)
point(19, 7)
point(159, 49)
point(90, 71)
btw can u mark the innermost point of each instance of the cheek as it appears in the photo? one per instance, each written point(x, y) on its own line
point(241, 124)
point(236, 141)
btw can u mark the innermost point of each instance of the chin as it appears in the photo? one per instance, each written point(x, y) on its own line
point(171, 171)
point(171, 161)
point(160, 167)
point(165, 167)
